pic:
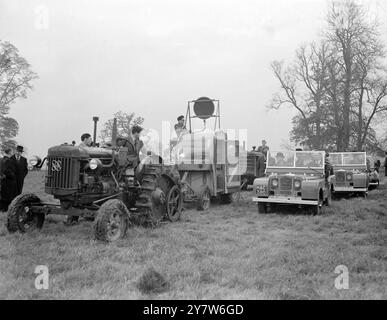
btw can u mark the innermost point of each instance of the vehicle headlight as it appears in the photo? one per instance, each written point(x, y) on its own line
point(93, 164)
point(274, 183)
point(349, 176)
point(297, 184)
point(33, 161)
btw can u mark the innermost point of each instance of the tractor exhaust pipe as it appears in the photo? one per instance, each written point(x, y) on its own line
point(95, 119)
point(114, 133)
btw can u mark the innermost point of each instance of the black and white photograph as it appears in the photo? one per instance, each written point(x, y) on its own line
point(193, 156)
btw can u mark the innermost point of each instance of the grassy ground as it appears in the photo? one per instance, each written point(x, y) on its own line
point(230, 252)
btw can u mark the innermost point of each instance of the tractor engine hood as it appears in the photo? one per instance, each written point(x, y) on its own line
point(69, 151)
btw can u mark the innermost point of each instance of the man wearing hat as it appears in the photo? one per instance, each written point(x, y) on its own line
point(180, 126)
point(21, 168)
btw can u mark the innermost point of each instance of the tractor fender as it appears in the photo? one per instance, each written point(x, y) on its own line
point(172, 180)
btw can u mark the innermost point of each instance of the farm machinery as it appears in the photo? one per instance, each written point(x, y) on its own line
point(108, 185)
point(208, 161)
point(255, 168)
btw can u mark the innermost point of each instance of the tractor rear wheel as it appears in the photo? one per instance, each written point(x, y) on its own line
point(152, 201)
point(112, 221)
point(204, 199)
point(20, 215)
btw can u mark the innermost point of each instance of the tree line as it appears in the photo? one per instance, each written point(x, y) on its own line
point(338, 84)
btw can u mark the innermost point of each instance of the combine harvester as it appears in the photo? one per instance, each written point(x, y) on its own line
point(209, 163)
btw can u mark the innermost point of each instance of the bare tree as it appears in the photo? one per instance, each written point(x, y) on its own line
point(303, 86)
point(16, 79)
point(338, 87)
point(353, 36)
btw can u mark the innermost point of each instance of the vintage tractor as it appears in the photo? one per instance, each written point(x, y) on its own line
point(293, 178)
point(255, 168)
point(207, 160)
point(350, 173)
point(107, 184)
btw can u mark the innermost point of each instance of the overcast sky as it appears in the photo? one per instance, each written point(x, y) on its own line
point(152, 56)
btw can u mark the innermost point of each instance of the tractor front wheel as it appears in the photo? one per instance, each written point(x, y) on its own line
point(112, 221)
point(20, 215)
point(174, 203)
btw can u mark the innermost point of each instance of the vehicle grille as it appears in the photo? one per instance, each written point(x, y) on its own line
point(340, 177)
point(59, 173)
point(285, 185)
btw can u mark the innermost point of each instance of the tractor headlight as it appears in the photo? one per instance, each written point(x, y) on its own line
point(297, 184)
point(349, 176)
point(274, 183)
point(94, 163)
point(33, 161)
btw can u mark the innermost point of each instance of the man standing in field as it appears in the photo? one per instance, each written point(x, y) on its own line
point(263, 148)
point(8, 188)
point(21, 168)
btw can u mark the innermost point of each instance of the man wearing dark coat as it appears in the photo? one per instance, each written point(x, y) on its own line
point(8, 187)
point(21, 168)
point(134, 145)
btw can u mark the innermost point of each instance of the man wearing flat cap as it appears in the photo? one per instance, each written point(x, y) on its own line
point(21, 168)
point(180, 126)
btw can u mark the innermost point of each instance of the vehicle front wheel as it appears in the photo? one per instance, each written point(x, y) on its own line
point(112, 221)
point(262, 207)
point(226, 198)
point(21, 216)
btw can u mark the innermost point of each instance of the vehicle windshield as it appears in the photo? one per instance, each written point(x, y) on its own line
point(348, 158)
point(295, 159)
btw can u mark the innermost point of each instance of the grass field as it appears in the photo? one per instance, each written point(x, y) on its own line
point(230, 252)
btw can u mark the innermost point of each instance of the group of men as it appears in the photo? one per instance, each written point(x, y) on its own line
point(13, 170)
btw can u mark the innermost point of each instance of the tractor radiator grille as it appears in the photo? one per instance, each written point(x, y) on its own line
point(59, 173)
